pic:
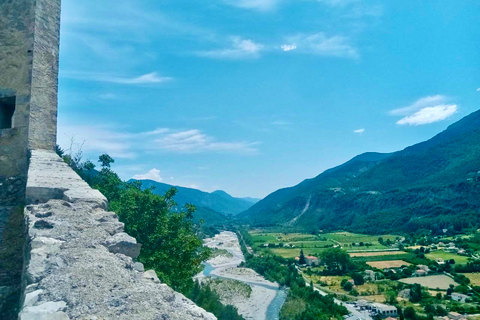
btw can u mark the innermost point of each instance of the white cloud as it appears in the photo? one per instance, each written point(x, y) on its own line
point(425, 110)
point(323, 45)
point(359, 131)
point(156, 131)
point(337, 3)
point(288, 47)
point(420, 104)
point(194, 141)
point(150, 78)
point(429, 115)
point(239, 49)
point(153, 174)
point(261, 5)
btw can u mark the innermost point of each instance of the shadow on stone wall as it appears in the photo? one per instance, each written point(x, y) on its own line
point(12, 246)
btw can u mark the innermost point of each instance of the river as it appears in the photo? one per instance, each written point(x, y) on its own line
point(267, 297)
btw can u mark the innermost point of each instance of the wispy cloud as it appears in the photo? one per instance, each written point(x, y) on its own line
point(478, 90)
point(359, 131)
point(288, 47)
point(323, 45)
point(195, 141)
point(261, 5)
point(239, 49)
point(150, 78)
point(419, 104)
point(156, 131)
point(96, 139)
point(425, 110)
point(336, 3)
point(119, 142)
point(153, 174)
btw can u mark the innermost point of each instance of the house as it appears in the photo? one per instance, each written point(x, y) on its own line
point(423, 267)
point(451, 245)
point(456, 316)
point(370, 275)
point(312, 261)
point(363, 304)
point(390, 318)
point(459, 297)
point(440, 261)
point(405, 294)
point(384, 310)
point(421, 273)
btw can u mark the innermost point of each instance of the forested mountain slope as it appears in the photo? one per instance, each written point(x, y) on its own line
point(433, 184)
point(218, 201)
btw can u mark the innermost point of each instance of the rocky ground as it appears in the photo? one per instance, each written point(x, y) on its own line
point(262, 293)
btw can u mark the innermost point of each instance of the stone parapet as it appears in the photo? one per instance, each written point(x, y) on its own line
point(80, 263)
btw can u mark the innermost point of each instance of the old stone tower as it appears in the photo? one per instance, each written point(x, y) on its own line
point(29, 46)
point(63, 255)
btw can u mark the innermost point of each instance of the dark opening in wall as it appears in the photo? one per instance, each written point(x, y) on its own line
point(7, 109)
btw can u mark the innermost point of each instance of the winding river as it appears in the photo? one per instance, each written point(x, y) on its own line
point(270, 303)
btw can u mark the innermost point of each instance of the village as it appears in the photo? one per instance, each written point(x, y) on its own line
point(433, 277)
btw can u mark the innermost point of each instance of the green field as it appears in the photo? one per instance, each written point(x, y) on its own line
point(447, 256)
point(474, 278)
point(314, 244)
point(345, 239)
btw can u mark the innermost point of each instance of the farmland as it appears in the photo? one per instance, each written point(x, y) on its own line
point(474, 278)
point(387, 264)
point(447, 256)
point(433, 282)
point(288, 245)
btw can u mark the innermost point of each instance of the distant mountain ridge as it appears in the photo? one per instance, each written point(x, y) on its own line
point(218, 201)
point(433, 184)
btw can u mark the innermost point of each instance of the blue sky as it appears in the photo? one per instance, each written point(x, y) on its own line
point(250, 96)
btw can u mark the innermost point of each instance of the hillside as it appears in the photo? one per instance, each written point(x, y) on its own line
point(217, 201)
point(433, 184)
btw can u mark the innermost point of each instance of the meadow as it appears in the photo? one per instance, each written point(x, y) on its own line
point(288, 245)
point(447, 256)
point(474, 278)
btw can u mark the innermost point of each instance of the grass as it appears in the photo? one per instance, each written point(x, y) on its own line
point(441, 282)
point(447, 256)
point(375, 254)
point(316, 244)
point(398, 256)
point(292, 253)
point(474, 278)
point(345, 239)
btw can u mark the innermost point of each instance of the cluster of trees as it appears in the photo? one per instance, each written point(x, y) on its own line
point(209, 300)
point(170, 244)
point(303, 302)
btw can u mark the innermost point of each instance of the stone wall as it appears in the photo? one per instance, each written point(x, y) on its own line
point(43, 105)
point(82, 265)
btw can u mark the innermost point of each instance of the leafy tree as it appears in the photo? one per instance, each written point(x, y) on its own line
point(105, 160)
point(358, 278)
point(336, 260)
point(170, 245)
point(302, 259)
point(410, 313)
point(348, 286)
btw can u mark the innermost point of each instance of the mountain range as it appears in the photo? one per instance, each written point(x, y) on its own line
point(431, 185)
point(209, 204)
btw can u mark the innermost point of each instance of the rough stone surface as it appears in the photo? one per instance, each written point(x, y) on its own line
point(49, 177)
point(71, 272)
point(124, 244)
